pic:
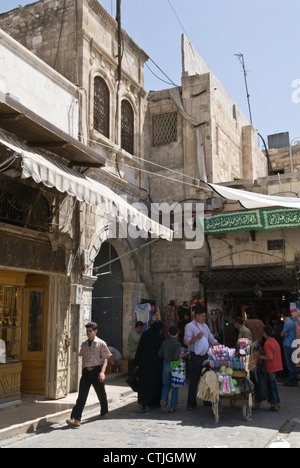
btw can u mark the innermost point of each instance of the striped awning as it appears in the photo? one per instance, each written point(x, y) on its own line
point(43, 168)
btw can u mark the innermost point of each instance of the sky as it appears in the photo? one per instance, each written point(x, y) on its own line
point(265, 32)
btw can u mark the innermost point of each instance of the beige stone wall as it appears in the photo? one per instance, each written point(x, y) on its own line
point(283, 159)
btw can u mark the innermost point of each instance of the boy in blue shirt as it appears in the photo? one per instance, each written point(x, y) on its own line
point(289, 337)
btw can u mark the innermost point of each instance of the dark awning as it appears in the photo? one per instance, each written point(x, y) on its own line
point(39, 133)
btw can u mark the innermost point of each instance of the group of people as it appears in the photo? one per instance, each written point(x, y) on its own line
point(152, 356)
point(148, 352)
point(254, 330)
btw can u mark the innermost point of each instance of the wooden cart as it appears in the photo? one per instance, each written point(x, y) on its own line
point(239, 376)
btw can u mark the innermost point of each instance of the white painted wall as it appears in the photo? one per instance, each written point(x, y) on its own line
point(37, 86)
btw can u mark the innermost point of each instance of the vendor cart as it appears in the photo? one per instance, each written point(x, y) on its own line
point(239, 376)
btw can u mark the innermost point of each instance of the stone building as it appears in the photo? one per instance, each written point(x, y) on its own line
point(52, 260)
point(37, 223)
point(198, 131)
point(81, 41)
point(187, 137)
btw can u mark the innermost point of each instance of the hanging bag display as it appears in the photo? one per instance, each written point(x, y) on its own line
point(178, 371)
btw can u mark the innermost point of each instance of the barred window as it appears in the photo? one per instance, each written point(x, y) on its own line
point(23, 206)
point(101, 106)
point(164, 128)
point(127, 126)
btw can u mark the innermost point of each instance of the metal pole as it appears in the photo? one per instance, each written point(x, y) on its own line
point(118, 19)
point(291, 152)
point(241, 58)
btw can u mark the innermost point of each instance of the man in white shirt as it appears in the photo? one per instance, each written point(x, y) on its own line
point(198, 339)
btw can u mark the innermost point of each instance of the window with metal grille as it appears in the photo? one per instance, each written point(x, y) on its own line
point(127, 126)
point(23, 206)
point(164, 128)
point(101, 106)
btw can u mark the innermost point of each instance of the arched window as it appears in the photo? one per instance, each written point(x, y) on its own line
point(101, 106)
point(127, 126)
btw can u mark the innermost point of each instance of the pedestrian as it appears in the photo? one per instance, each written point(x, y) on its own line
point(273, 361)
point(289, 335)
point(198, 339)
point(170, 350)
point(243, 331)
point(133, 342)
point(95, 355)
point(149, 366)
point(256, 326)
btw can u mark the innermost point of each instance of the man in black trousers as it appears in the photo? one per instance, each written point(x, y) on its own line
point(95, 355)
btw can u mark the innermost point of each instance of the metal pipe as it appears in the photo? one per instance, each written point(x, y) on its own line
point(291, 153)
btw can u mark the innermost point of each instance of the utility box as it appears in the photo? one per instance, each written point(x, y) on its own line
point(279, 140)
point(76, 294)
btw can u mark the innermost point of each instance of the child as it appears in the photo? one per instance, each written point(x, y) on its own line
point(272, 358)
point(170, 350)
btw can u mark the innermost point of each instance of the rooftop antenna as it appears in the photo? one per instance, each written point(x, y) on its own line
point(242, 62)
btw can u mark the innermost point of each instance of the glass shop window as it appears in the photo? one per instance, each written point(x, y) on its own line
point(11, 300)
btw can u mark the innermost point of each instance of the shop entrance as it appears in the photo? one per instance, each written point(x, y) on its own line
point(108, 297)
point(34, 335)
point(264, 291)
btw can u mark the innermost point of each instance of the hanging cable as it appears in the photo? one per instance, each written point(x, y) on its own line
point(124, 255)
point(172, 82)
point(156, 76)
point(60, 33)
point(150, 162)
point(177, 18)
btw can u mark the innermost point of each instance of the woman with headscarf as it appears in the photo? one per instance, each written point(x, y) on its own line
point(149, 366)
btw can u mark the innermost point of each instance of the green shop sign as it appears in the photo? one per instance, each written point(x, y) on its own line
point(252, 220)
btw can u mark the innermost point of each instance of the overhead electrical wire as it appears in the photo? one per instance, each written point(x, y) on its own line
point(156, 76)
point(177, 18)
point(156, 174)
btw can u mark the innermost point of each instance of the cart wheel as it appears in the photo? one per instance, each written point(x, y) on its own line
point(246, 411)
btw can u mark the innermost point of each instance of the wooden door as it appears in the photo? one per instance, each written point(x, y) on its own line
point(34, 335)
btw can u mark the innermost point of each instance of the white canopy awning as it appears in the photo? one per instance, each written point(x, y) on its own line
point(251, 200)
point(43, 169)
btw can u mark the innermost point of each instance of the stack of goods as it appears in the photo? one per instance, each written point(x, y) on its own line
point(228, 385)
point(221, 355)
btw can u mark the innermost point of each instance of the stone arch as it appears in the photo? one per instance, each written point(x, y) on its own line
point(128, 261)
point(133, 288)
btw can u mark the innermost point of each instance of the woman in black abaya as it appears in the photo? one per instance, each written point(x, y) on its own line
point(149, 366)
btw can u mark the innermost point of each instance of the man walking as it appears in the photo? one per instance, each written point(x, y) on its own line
point(198, 339)
point(289, 335)
point(95, 355)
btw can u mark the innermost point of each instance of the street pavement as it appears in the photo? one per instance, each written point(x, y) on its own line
point(127, 428)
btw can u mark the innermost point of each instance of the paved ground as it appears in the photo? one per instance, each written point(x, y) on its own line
point(127, 428)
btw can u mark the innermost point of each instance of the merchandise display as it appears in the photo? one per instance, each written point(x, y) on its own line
point(228, 385)
point(234, 358)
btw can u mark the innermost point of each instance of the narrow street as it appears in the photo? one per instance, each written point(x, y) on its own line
point(129, 429)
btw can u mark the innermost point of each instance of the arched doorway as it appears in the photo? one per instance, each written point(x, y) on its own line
point(107, 308)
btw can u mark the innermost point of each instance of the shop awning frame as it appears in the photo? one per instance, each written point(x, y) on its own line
point(53, 174)
point(39, 133)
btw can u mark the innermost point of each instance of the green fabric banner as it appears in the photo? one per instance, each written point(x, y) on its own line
point(252, 220)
